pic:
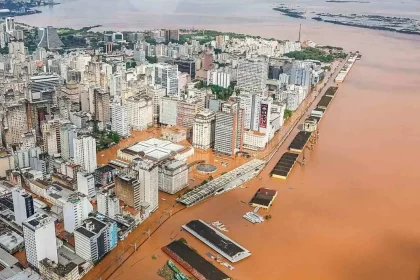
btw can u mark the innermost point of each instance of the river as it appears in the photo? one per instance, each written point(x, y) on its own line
point(353, 212)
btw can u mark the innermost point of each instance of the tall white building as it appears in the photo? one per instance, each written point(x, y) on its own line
point(250, 103)
point(204, 129)
point(76, 209)
point(166, 75)
point(148, 177)
point(139, 111)
point(218, 78)
point(173, 176)
point(67, 133)
point(119, 122)
point(156, 92)
point(95, 238)
point(85, 152)
point(86, 184)
point(168, 111)
point(252, 75)
point(10, 24)
point(23, 205)
point(40, 240)
point(108, 204)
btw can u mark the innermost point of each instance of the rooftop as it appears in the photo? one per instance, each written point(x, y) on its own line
point(91, 227)
point(58, 268)
point(37, 220)
point(154, 149)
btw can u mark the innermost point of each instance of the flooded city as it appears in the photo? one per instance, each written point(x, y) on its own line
point(352, 211)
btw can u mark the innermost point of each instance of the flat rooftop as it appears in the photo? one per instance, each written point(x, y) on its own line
point(155, 149)
point(217, 240)
point(300, 140)
point(263, 197)
point(193, 262)
point(284, 165)
point(225, 182)
point(324, 102)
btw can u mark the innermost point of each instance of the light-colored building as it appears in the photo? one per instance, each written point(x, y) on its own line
point(168, 111)
point(140, 112)
point(252, 75)
point(40, 240)
point(51, 137)
point(173, 176)
point(218, 78)
point(119, 122)
point(156, 92)
point(86, 184)
point(75, 211)
point(85, 152)
point(23, 205)
point(108, 204)
point(229, 129)
point(95, 238)
point(148, 177)
point(186, 111)
point(204, 130)
point(166, 75)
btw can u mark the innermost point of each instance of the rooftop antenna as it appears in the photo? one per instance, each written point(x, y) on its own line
point(300, 30)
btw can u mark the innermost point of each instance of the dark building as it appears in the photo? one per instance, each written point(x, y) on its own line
point(186, 66)
point(274, 72)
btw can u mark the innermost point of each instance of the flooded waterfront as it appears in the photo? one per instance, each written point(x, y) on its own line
point(353, 212)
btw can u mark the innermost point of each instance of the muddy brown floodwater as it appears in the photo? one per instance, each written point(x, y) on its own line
point(353, 211)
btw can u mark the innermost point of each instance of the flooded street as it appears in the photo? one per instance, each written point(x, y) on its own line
point(353, 212)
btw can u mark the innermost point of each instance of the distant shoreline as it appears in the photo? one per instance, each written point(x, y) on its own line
point(347, 1)
point(374, 22)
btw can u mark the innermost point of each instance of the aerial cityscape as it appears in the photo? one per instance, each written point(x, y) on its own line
point(197, 145)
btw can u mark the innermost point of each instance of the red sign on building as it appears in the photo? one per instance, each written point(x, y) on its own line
point(263, 115)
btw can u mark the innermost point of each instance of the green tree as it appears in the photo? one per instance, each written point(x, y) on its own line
point(287, 114)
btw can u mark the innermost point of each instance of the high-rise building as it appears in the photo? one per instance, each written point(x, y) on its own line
point(173, 176)
point(40, 240)
point(16, 123)
point(301, 75)
point(156, 92)
point(44, 82)
point(85, 152)
point(75, 210)
point(218, 78)
point(148, 177)
point(204, 130)
point(23, 205)
point(102, 105)
point(229, 129)
point(139, 111)
point(186, 111)
point(171, 35)
point(166, 75)
point(186, 66)
point(48, 38)
point(94, 238)
point(51, 137)
point(250, 103)
point(252, 75)
point(208, 60)
point(127, 188)
point(68, 132)
point(108, 203)
point(168, 111)
point(119, 122)
point(10, 24)
point(86, 184)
